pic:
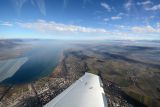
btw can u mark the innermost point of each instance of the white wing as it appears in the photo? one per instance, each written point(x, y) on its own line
point(85, 92)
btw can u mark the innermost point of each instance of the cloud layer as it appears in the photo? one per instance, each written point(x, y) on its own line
point(44, 26)
point(146, 29)
point(60, 29)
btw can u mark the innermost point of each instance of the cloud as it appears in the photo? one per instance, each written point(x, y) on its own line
point(40, 4)
point(122, 27)
point(128, 5)
point(154, 8)
point(145, 29)
point(47, 27)
point(122, 14)
point(106, 19)
point(106, 6)
point(6, 24)
point(144, 2)
point(158, 25)
point(65, 3)
point(116, 17)
point(61, 30)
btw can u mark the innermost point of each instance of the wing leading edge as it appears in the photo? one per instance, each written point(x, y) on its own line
point(85, 92)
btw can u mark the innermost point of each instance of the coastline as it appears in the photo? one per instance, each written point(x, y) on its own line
point(41, 91)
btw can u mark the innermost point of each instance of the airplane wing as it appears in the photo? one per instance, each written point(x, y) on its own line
point(85, 92)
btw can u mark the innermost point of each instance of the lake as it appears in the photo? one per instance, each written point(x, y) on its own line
point(42, 58)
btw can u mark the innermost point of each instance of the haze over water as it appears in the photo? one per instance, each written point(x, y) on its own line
point(42, 59)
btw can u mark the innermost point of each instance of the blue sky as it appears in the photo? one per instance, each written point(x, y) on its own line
point(80, 19)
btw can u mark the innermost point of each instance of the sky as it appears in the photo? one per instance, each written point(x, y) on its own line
point(80, 19)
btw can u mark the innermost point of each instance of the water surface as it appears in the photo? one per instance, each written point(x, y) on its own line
point(42, 59)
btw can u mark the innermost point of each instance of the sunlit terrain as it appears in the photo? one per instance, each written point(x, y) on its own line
point(130, 69)
point(46, 46)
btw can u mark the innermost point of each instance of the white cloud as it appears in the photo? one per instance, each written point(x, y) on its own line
point(122, 27)
point(122, 14)
point(145, 29)
point(116, 17)
point(60, 30)
point(128, 5)
point(158, 25)
point(144, 2)
point(152, 17)
point(40, 4)
point(106, 6)
point(65, 3)
point(106, 19)
point(154, 8)
point(6, 24)
point(44, 26)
